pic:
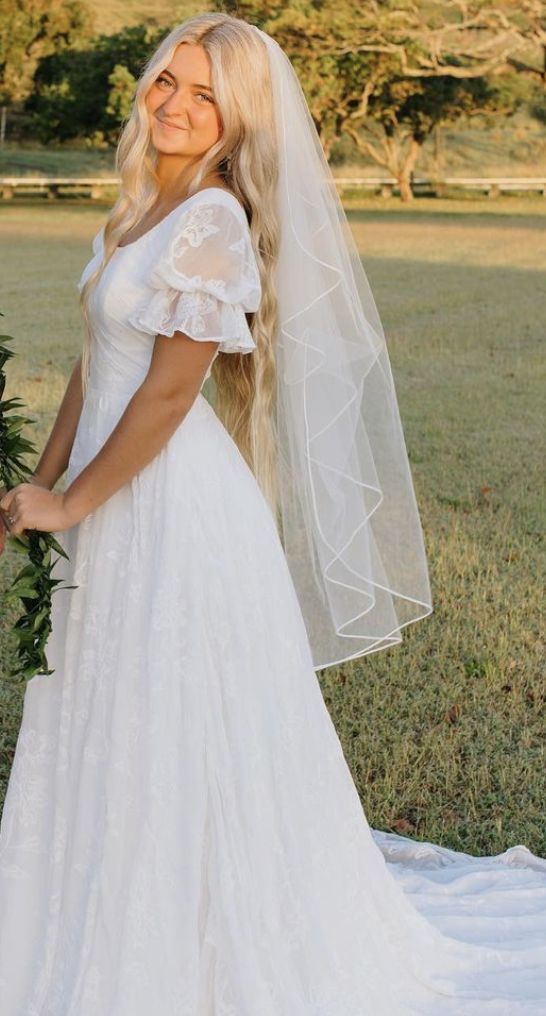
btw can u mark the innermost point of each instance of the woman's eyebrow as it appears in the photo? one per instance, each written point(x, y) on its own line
point(206, 88)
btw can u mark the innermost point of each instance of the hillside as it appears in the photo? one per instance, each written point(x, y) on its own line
point(117, 14)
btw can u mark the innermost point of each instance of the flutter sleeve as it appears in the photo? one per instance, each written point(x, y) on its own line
point(204, 279)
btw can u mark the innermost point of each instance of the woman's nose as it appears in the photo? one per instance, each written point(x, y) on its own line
point(176, 105)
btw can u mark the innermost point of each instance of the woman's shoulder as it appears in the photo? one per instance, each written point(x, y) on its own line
point(212, 218)
point(219, 202)
point(206, 243)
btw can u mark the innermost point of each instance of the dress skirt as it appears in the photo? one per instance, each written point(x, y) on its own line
point(181, 834)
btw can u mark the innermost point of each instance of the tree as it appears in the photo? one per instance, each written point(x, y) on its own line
point(402, 113)
point(30, 31)
point(532, 23)
point(388, 77)
point(122, 91)
point(87, 92)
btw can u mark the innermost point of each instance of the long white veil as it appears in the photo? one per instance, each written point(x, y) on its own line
point(351, 530)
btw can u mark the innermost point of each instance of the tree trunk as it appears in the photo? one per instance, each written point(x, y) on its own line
point(405, 170)
point(392, 153)
point(404, 183)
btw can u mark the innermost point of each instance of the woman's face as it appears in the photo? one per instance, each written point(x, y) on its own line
point(184, 118)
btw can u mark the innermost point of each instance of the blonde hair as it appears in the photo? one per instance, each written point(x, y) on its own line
point(246, 156)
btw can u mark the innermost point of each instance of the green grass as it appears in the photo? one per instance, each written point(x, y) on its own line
point(33, 159)
point(444, 734)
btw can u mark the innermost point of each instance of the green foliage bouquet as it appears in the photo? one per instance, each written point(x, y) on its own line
point(34, 584)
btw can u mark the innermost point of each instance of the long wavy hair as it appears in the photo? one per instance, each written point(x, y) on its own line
point(246, 156)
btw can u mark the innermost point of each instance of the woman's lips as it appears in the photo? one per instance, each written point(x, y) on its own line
point(170, 126)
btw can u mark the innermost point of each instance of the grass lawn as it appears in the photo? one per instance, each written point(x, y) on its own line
point(444, 735)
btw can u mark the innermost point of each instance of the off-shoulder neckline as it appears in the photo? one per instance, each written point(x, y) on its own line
point(205, 190)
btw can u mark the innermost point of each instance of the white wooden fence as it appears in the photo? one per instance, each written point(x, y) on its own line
point(492, 186)
point(94, 187)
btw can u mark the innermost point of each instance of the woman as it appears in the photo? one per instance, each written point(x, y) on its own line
point(181, 833)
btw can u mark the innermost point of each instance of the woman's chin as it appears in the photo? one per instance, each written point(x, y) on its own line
point(164, 148)
point(174, 142)
point(167, 147)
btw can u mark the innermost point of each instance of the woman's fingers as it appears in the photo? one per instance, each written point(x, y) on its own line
point(8, 510)
point(5, 525)
point(8, 514)
point(6, 497)
point(11, 504)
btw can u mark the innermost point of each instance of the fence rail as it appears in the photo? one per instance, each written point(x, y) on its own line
point(492, 186)
point(94, 187)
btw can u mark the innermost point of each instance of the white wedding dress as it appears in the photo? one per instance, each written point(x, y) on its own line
point(181, 834)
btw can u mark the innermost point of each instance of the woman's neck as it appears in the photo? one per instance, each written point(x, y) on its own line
point(173, 192)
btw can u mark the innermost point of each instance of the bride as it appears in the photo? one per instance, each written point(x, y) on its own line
point(181, 834)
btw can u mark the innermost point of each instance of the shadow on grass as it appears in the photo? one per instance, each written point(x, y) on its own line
point(531, 217)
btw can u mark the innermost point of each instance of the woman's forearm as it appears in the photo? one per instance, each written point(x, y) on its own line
point(56, 454)
point(144, 427)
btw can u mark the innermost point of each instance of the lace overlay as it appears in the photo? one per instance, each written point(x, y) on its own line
point(205, 279)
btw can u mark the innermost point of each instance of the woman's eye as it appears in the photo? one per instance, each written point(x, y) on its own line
point(199, 95)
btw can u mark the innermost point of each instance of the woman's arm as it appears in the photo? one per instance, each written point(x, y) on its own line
point(174, 379)
point(54, 458)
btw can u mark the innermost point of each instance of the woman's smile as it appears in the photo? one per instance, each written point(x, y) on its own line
point(170, 126)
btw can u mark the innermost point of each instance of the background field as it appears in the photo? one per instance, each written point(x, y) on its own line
point(444, 735)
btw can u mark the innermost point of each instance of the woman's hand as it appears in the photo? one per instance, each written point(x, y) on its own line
point(4, 526)
point(3, 532)
point(34, 506)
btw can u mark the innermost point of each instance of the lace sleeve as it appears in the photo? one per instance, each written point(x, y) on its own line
point(205, 279)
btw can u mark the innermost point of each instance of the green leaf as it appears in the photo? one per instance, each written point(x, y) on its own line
point(19, 548)
point(27, 592)
point(29, 569)
point(40, 617)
